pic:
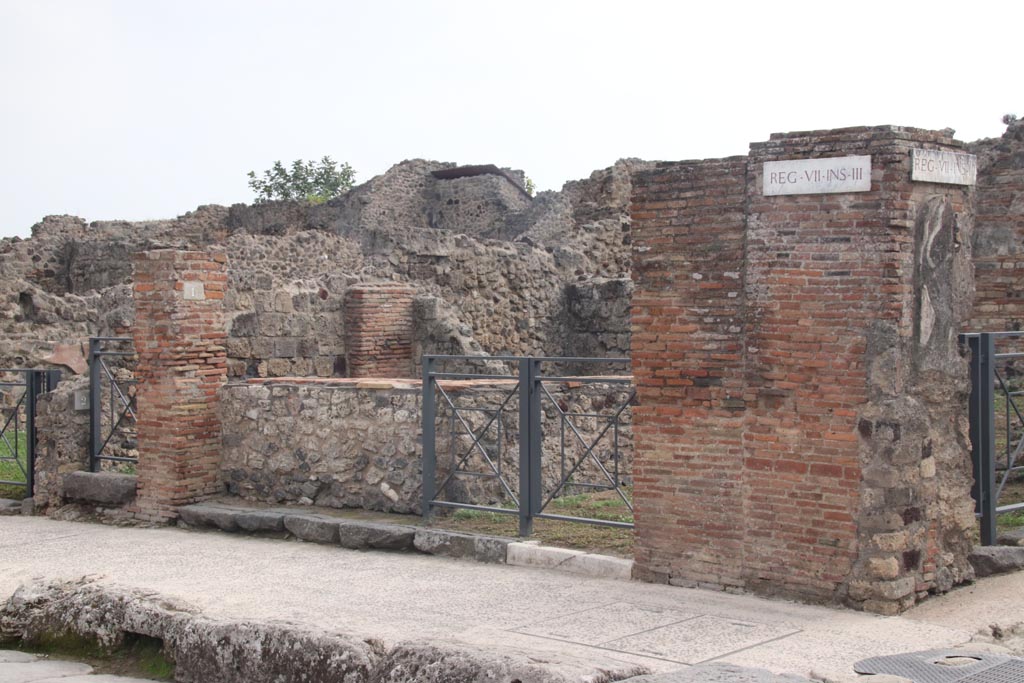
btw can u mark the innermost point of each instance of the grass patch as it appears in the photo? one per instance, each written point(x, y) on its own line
point(1013, 492)
point(11, 470)
point(1010, 520)
point(138, 656)
point(605, 505)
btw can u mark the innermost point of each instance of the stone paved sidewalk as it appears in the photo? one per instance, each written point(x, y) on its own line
point(570, 626)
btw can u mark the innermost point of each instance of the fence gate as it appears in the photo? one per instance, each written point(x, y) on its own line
point(996, 425)
point(112, 411)
point(20, 389)
point(513, 440)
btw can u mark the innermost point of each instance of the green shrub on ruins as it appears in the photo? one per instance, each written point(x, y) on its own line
point(310, 181)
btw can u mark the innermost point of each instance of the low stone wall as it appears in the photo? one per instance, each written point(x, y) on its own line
point(337, 443)
point(349, 443)
point(63, 445)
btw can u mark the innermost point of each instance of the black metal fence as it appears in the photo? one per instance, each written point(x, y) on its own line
point(521, 400)
point(20, 389)
point(112, 410)
point(996, 422)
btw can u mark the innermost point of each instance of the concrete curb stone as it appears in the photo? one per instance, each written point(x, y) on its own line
point(313, 528)
point(1012, 537)
point(9, 507)
point(260, 520)
point(996, 559)
point(460, 545)
point(203, 515)
point(104, 488)
point(357, 535)
point(531, 554)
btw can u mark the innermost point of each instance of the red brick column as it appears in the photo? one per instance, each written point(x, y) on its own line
point(801, 427)
point(179, 336)
point(687, 316)
point(378, 330)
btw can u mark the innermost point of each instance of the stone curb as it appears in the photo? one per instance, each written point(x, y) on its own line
point(532, 554)
point(102, 488)
point(348, 533)
point(996, 559)
point(363, 535)
point(9, 507)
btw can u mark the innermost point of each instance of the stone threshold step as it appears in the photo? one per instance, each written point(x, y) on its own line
point(357, 534)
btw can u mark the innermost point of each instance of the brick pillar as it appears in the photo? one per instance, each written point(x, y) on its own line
point(687, 317)
point(801, 428)
point(179, 336)
point(378, 330)
point(999, 233)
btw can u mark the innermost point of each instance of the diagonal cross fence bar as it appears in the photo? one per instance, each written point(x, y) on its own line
point(1013, 444)
point(475, 445)
point(20, 391)
point(112, 408)
point(477, 397)
point(566, 478)
point(996, 424)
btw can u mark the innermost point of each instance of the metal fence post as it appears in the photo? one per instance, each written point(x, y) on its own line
point(525, 447)
point(429, 410)
point(33, 386)
point(95, 397)
point(52, 380)
point(536, 439)
point(982, 432)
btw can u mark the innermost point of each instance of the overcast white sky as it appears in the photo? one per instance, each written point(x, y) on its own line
point(141, 109)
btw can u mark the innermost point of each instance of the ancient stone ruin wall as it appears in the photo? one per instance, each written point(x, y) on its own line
point(998, 239)
point(597, 318)
point(476, 204)
point(801, 428)
point(290, 264)
point(283, 303)
point(63, 444)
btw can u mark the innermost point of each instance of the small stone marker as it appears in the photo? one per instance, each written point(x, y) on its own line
point(951, 168)
point(817, 176)
point(195, 291)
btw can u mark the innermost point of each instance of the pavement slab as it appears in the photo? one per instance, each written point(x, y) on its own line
point(41, 670)
point(574, 625)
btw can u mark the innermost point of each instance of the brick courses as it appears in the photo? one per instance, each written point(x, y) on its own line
point(998, 243)
point(761, 326)
point(379, 330)
point(181, 366)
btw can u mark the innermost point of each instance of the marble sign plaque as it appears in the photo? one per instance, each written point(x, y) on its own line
point(194, 291)
point(817, 176)
point(936, 166)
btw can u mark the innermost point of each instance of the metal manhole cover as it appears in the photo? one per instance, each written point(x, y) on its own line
point(946, 666)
